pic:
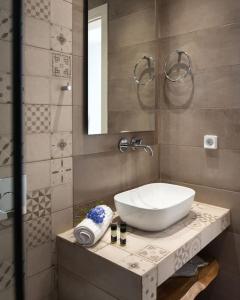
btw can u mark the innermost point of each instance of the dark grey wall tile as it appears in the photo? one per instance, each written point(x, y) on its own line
point(124, 95)
point(188, 127)
point(198, 166)
point(100, 176)
point(208, 48)
point(218, 197)
point(119, 8)
point(211, 88)
point(130, 121)
point(182, 16)
point(225, 249)
point(84, 144)
point(69, 288)
point(136, 28)
point(123, 60)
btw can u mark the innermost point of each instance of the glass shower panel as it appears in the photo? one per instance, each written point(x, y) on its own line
point(6, 154)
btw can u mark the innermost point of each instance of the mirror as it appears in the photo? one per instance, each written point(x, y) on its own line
point(121, 66)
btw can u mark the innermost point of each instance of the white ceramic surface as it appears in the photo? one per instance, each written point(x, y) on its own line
point(155, 206)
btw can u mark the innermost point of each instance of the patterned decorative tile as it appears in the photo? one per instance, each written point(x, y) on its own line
point(61, 145)
point(39, 231)
point(37, 118)
point(61, 39)
point(153, 253)
point(188, 251)
point(38, 204)
point(5, 88)
point(136, 264)
point(149, 285)
point(6, 274)
point(61, 171)
point(5, 25)
point(5, 150)
point(225, 221)
point(61, 65)
point(39, 9)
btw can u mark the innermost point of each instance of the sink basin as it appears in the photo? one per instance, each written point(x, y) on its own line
point(155, 206)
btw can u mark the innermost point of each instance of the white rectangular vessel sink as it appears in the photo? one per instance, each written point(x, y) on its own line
point(155, 206)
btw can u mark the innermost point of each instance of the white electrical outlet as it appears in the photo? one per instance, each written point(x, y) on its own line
point(210, 142)
point(6, 196)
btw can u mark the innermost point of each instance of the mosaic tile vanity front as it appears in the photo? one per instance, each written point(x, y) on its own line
point(150, 257)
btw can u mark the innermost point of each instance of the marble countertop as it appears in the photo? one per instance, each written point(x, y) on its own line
point(156, 256)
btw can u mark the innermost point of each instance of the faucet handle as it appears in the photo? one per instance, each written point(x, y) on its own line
point(136, 141)
point(123, 145)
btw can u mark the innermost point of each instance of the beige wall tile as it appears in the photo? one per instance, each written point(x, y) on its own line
point(61, 13)
point(62, 197)
point(61, 171)
point(36, 90)
point(38, 175)
point(36, 61)
point(5, 4)
point(6, 239)
point(42, 28)
point(5, 171)
point(62, 221)
point(5, 50)
point(39, 259)
point(61, 118)
point(61, 144)
point(37, 147)
point(5, 119)
point(58, 96)
point(8, 294)
point(40, 285)
point(61, 39)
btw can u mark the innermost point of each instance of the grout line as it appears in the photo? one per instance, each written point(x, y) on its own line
point(199, 30)
point(200, 147)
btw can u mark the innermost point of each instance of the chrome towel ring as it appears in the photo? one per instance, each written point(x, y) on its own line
point(150, 70)
point(178, 65)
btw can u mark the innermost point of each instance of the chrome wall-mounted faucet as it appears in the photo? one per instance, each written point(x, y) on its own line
point(134, 144)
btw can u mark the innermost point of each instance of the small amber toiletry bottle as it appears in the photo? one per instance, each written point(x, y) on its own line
point(113, 233)
point(123, 234)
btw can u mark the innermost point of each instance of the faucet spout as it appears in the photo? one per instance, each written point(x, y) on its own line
point(149, 150)
point(137, 143)
point(134, 144)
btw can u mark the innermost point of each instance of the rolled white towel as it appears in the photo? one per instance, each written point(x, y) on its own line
point(87, 233)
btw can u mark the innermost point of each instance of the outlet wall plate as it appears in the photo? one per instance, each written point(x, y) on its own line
point(211, 142)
